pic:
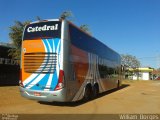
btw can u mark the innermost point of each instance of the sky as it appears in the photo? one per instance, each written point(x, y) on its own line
point(127, 26)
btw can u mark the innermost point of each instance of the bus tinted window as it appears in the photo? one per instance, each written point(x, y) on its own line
point(78, 38)
point(49, 29)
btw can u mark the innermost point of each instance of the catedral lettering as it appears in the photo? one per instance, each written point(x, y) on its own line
point(42, 28)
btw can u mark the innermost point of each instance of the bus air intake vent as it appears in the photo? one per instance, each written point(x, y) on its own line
point(40, 62)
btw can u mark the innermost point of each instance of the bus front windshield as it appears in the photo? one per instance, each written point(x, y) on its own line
point(49, 29)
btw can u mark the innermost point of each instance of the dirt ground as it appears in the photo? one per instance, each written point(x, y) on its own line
point(133, 97)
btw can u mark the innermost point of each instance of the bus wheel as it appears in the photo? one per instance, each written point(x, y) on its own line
point(87, 93)
point(95, 90)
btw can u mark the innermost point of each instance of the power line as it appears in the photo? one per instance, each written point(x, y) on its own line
point(155, 59)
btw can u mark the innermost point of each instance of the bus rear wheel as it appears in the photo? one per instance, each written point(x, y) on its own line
point(87, 93)
point(95, 91)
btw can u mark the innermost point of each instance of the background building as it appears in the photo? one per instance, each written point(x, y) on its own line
point(141, 73)
point(9, 68)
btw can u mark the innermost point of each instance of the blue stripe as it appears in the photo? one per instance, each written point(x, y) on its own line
point(46, 44)
point(56, 41)
point(59, 47)
point(54, 81)
point(51, 43)
point(43, 82)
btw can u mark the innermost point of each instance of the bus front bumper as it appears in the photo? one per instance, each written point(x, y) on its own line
point(46, 96)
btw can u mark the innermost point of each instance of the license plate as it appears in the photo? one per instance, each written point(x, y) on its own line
point(37, 94)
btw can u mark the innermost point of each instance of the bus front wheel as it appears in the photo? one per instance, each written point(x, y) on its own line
point(87, 93)
point(95, 91)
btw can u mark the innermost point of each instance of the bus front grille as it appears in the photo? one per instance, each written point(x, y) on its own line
point(40, 62)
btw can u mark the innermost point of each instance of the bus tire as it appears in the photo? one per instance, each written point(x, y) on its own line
point(87, 93)
point(95, 90)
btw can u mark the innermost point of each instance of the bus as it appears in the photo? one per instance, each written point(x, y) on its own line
point(60, 62)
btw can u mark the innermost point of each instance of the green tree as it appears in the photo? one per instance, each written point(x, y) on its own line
point(66, 15)
point(85, 28)
point(130, 61)
point(15, 35)
point(38, 18)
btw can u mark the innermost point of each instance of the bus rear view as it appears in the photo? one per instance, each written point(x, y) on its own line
point(60, 62)
point(42, 75)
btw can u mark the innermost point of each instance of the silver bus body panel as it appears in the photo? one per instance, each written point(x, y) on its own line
point(46, 96)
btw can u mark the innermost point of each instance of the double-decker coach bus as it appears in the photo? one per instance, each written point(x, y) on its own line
point(60, 62)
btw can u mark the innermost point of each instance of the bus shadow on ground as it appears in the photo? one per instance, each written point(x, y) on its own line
point(81, 102)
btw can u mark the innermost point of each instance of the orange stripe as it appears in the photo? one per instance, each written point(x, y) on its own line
point(31, 46)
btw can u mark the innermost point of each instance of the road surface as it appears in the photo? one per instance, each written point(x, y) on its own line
point(133, 97)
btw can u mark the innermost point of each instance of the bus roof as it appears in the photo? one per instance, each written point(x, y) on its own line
point(45, 20)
